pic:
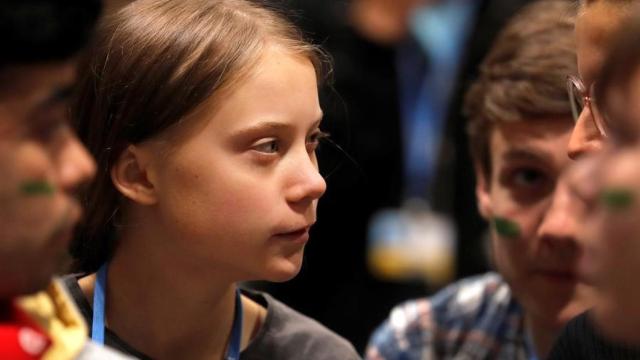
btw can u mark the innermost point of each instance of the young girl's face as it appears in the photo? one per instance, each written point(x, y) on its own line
point(239, 193)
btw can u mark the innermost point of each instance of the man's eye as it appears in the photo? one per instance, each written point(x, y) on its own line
point(48, 131)
point(270, 146)
point(527, 177)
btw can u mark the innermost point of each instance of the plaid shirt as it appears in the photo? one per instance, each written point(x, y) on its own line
point(475, 318)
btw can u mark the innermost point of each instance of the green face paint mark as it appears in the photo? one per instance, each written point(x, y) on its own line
point(616, 199)
point(507, 228)
point(37, 188)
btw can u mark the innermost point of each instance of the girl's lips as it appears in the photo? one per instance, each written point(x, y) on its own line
point(296, 236)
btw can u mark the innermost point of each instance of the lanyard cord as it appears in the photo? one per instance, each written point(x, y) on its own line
point(97, 326)
point(530, 348)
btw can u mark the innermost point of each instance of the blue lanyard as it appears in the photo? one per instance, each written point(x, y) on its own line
point(531, 350)
point(97, 327)
point(427, 64)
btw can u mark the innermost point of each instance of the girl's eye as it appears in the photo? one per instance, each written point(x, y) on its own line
point(313, 141)
point(270, 146)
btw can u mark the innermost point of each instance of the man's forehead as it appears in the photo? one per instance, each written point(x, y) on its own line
point(27, 89)
point(35, 82)
point(535, 128)
point(541, 138)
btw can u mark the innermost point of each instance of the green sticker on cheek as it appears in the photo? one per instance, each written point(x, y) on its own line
point(37, 188)
point(616, 199)
point(506, 228)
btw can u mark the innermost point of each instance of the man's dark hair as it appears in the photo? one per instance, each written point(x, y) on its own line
point(523, 78)
point(36, 31)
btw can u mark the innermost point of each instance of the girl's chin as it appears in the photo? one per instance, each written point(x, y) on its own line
point(283, 270)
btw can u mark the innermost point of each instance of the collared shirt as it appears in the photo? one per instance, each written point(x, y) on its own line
point(474, 318)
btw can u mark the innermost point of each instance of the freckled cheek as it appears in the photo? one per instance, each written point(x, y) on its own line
point(526, 217)
point(508, 258)
point(614, 243)
point(512, 255)
point(28, 162)
point(203, 205)
point(614, 239)
point(36, 213)
point(613, 226)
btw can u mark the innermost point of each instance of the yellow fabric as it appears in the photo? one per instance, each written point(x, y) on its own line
point(57, 315)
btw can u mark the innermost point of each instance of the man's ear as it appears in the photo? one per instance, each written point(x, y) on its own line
point(483, 191)
point(131, 175)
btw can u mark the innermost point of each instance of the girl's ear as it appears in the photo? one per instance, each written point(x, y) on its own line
point(131, 175)
point(483, 192)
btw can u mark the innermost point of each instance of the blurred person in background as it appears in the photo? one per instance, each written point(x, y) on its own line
point(42, 164)
point(596, 27)
point(519, 127)
point(376, 102)
point(607, 182)
point(612, 251)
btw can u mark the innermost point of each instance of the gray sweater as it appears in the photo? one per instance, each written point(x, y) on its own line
point(284, 335)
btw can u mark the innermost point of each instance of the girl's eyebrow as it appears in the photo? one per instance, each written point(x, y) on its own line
point(268, 125)
point(262, 126)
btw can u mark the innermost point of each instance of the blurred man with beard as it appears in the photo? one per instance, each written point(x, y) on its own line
point(42, 163)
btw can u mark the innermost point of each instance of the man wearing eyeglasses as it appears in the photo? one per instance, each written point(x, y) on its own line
point(581, 98)
point(596, 26)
